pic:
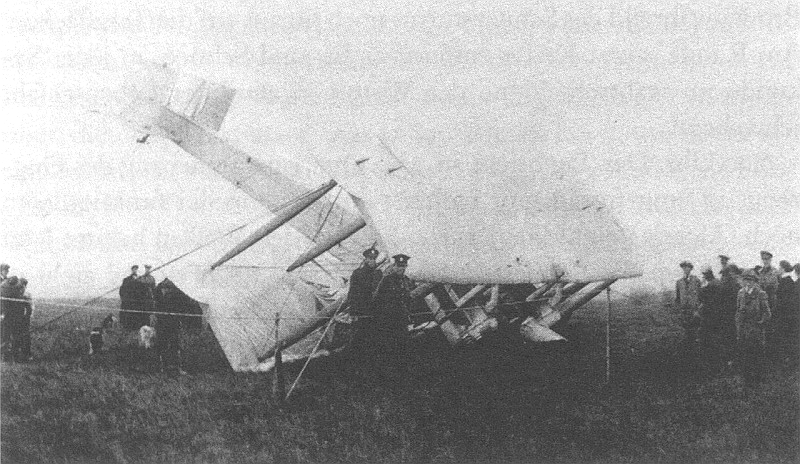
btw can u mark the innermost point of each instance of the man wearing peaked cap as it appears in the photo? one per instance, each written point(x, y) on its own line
point(687, 301)
point(768, 277)
point(725, 262)
point(391, 301)
point(371, 253)
point(401, 259)
point(363, 282)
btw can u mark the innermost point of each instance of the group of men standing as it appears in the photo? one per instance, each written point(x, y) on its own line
point(16, 309)
point(164, 306)
point(740, 314)
point(378, 303)
point(137, 296)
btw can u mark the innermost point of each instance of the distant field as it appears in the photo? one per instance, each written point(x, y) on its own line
point(495, 403)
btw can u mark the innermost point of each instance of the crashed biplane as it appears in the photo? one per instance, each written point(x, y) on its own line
point(518, 260)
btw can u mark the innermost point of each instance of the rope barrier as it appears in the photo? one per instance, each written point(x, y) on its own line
point(160, 266)
point(87, 307)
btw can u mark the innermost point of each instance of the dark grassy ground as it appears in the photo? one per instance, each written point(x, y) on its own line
point(495, 403)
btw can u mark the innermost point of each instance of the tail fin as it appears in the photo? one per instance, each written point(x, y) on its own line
point(149, 87)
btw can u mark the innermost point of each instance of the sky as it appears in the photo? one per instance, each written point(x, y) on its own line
point(682, 116)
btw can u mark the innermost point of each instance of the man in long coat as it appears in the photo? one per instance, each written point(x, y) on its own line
point(391, 302)
point(711, 300)
point(687, 300)
point(168, 299)
point(128, 293)
point(752, 315)
point(729, 279)
point(363, 283)
point(787, 305)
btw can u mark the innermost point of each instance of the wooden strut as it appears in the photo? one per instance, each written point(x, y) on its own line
point(278, 385)
point(281, 217)
point(608, 335)
point(327, 243)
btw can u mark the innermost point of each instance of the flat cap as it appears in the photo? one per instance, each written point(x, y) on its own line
point(765, 254)
point(724, 257)
point(687, 264)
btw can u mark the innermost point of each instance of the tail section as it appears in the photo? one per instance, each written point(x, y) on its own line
point(149, 87)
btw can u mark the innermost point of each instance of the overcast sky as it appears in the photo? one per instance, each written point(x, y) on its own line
point(683, 116)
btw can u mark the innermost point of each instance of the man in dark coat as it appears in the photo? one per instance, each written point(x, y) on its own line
point(168, 326)
point(128, 293)
point(391, 301)
point(787, 305)
point(25, 323)
point(710, 307)
point(363, 283)
point(148, 288)
point(13, 313)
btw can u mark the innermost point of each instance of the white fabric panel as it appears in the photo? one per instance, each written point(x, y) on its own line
point(472, 230)
point(265, 184)
point(242, 303)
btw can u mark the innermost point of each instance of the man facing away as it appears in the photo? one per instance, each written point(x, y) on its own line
point(752, 314)
point(711, 299)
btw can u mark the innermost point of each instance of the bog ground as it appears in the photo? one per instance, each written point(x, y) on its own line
point(494, 403)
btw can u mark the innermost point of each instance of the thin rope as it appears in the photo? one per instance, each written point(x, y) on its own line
point(41, 326)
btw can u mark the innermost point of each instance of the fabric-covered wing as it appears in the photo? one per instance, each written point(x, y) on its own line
point(188, 111)
point(266, 185)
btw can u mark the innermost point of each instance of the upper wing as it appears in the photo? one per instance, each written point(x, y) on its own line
point(189, 114)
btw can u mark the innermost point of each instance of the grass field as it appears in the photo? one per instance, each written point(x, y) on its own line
point(495, 403)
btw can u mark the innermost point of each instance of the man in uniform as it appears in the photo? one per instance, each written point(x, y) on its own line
point(768, 277)
point(391, 301)
point(363, 282)
point(687, 300)
point(4, 268)
point(752, 314)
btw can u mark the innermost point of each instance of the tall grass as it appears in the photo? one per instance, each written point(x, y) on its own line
point(498, 402)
